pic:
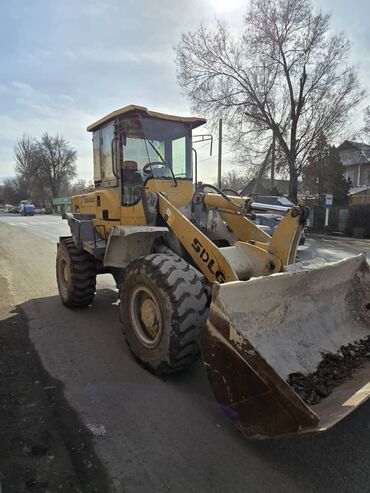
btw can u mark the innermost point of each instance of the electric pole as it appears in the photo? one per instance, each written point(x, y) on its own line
point(219, 152)
point(273, 163)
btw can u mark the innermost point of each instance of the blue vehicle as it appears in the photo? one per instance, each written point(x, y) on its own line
point(26, 209)
point(268, 222)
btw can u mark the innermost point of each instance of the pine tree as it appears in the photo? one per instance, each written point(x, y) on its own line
point(324, 173)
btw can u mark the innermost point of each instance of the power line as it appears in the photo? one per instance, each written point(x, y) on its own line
point(201, 147)
point(213, 157)
point(214, 140)
point(207, 158)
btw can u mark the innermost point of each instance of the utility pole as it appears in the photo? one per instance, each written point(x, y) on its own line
point(219, 152)
point(195, 167)
point(273, 164)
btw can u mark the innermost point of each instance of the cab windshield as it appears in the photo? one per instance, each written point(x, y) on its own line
point(152, 148)
point(161, 149)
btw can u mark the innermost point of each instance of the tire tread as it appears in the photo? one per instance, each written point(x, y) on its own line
point(188, 294)
point(83, 275)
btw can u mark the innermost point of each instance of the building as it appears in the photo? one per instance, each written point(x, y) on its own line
point(263, 187)
point(359, 195)
point(355, 157)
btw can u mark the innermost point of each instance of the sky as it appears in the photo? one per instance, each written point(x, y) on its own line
point(66, 63)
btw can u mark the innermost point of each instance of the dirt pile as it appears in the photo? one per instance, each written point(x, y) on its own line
point(333, 370)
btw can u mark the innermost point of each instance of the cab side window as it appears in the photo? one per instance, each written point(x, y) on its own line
point(96, 153)
point(103, 158)
point(106, 137)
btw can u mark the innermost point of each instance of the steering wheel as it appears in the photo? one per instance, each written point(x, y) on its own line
point(147, 168)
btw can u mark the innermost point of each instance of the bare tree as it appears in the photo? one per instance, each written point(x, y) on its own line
point(286, 75)
point(365, 131)
point(14, 190)
point(57, 161)
point(81, 186)
point(233, 180)
point(26, 162)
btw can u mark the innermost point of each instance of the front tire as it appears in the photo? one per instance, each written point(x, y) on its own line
point(164, 303)
point(76, 275)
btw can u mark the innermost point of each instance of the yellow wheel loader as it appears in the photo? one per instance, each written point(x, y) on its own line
point(194, 272)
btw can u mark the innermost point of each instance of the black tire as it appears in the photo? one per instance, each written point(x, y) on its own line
point(164, 304)
point(76, 275)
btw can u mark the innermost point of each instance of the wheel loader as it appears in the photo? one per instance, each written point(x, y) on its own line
point(195, 274)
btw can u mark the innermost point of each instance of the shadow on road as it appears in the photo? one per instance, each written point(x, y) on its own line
point(171, 434)
point(44, 445)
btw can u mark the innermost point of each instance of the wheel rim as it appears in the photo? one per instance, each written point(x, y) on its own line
point(146, 316)
point(64, 275)
point(66, 272)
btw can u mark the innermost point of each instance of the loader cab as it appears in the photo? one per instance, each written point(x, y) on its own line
point(152, 149)
point(135, 148)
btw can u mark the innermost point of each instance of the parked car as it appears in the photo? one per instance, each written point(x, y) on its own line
point(27, 209)
point(273, 200)
point(268, 223)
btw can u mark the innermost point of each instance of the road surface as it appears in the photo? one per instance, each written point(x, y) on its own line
point(163, 436)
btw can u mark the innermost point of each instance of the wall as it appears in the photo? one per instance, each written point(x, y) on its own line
point(360, 198)
point(337, 218)
point(349, 221)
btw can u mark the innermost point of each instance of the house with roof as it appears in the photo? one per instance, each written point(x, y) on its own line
point(262, 186)
point(355, 157)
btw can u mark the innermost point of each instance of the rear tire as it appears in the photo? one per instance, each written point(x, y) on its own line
point(164, 304)
point(76, 275)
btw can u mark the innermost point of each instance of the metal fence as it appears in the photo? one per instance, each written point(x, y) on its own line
point(350, 221)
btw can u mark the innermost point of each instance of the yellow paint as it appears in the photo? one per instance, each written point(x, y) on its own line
point(206, 255)
point(244, 229)
point(109, 200)
point(284, 241)
point(280, 249)
point(179, 195)
point(97, 201)
point(236, 204)
point(358, 397)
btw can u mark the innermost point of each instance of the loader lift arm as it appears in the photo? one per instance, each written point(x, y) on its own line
point(254, 254)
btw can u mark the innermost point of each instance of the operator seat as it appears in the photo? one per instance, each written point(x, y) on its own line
point(131, 180)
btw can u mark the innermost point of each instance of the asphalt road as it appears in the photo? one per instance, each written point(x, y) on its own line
point(163, 435)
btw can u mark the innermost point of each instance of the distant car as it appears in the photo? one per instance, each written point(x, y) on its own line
point(27, 209)
point(273, 200)
point(268, 223)
point(272, 220)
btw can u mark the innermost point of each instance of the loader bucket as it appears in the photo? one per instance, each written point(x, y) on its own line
point(263, 330)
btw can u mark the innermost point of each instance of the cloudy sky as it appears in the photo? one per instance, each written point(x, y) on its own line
point(66, 63)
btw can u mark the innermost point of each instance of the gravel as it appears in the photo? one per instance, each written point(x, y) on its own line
point(333, 370)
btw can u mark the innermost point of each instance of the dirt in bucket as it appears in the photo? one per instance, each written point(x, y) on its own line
point(333, 369)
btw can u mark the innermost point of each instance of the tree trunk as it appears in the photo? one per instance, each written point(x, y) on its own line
point(54, 190)
point(293, 181)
